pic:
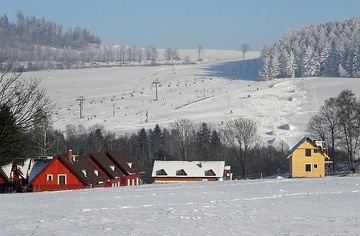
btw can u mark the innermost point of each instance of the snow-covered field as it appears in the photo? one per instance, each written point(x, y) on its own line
point(221, 88)
point(327, 206)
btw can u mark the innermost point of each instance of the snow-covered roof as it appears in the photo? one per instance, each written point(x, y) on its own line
point(191, 168)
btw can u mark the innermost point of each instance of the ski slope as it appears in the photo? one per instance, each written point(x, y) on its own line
point(220, 88)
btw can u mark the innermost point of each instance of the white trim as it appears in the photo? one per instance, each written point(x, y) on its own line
point(49, 177)
point(58, 179)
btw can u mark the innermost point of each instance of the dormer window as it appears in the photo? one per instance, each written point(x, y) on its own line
point(96, 172)
point(181, 172)
point(161, 172)
point(84, 172)
point(210, 173)
point(112, 168)
point(130, 164)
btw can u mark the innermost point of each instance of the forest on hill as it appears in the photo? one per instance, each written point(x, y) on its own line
point(37, 44)
point(325, 50)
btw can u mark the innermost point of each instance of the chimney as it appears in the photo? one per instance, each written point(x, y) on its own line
point(70, 156)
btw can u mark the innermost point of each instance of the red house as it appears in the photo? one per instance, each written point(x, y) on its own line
point(55, 174)
point(132, 171)
point(67, 172)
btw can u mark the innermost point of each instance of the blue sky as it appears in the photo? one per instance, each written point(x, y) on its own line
point(185, 24)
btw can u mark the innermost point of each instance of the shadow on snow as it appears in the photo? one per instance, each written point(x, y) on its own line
point(235, 70)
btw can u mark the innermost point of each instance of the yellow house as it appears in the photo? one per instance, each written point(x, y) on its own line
point(308, 159)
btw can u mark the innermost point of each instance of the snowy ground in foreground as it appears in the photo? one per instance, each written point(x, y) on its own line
point(327, 206)
point(219, 89)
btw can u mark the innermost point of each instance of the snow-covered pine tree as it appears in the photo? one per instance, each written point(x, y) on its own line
point(265, 56)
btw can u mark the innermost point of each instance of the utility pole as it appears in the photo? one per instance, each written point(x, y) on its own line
point(156, 82)
point(81, 100)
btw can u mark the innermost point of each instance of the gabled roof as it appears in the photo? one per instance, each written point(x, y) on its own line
point(107, 165)
point(303, 140)
point(125, 162)
point(93, 168)
point(37, 168)
point(63, 158)
point(90, 172)
point(3, 175)
point(191, 168)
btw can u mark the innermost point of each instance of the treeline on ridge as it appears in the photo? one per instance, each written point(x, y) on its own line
point(29, 31)
point(323, 50)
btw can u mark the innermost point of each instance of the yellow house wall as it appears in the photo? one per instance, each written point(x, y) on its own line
point(299, 160)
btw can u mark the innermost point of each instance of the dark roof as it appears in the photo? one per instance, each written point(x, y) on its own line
point(96, 168)
point(125, 162)
point(88, 170)
point(107, 165)
point(3, 175)
point(303, 140)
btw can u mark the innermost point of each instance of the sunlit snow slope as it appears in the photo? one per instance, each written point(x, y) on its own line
point(220, 88)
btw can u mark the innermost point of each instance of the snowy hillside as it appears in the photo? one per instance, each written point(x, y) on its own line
point(326, 206)
point(220, 88)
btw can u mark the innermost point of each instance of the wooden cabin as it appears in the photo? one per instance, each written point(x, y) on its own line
point(187, 171)
point(308, 159)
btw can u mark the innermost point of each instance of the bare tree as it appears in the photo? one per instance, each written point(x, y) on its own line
point(244, 49)
point(240, 136)
point(25, 98)
point(349, 120)
point(324, 126)
point(182, 129)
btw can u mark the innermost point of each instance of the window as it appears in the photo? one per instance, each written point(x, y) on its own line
point(181, 172)
point(112, 168)
point(308, 152)
point(210, 173)
point(308, 167)
point(49, 178)
point(61, 179)
point(315, 151)
point(315, 166)
point(96, 172)
point(161, 172)
point(130, 164)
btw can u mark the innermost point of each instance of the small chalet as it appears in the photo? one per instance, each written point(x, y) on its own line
point(308, 158)
point(186, 171)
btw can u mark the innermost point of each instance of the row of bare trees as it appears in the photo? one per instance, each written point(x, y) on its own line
point(338, 122)
point(236, 142)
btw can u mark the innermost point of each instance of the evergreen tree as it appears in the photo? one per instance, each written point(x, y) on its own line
point(12, 139)
point(203, 142)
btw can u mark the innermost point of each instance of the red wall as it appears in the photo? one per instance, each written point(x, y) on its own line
point(55, 167)
point(134, 180)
